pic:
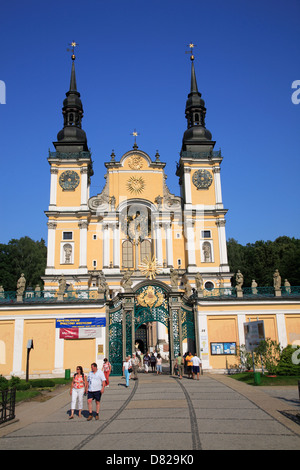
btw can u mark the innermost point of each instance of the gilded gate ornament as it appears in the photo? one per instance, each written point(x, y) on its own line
point(149, 298)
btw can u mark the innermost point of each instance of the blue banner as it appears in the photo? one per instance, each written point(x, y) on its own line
point(80, 322)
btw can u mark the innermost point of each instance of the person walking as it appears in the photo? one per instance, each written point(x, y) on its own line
point(77, 390)
point(159, 364)
point(196, 366)
point(126, 373)
point(95, 388)
point(189, 363)
point(107, 370)
point(180, 362)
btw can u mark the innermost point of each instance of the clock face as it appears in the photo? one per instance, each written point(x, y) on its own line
point(202, 179)
point(69, 180)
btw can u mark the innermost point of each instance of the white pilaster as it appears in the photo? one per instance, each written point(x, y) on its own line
point(218, 191)
point(116, 246)
point(241, 320)
point(187, 186)
point(281, 330)
point(53, 187)
point(84, 187)
point(59, 354)
point(106, 251)
point(18, 347)
point(51, 244)
point(169, 244)
point(83, 244)
point(190, 240)
point(203, 340)
point(222, 244)
point(159, 253)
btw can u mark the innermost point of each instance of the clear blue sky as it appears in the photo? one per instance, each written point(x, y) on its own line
point(132, 72)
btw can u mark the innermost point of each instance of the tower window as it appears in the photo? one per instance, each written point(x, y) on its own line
point(67, 235)
point(206, 234)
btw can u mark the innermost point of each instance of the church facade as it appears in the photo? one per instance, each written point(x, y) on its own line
point(135, 266)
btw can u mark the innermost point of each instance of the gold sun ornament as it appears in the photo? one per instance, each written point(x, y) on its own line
point(136, 185)
point(150, 267)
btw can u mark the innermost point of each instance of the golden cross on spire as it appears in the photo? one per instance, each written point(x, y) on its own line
point(73, 45)
point(191, 46)
point(135, 134)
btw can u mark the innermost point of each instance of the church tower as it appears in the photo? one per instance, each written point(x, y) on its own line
point(71, 169)
point(204, 214)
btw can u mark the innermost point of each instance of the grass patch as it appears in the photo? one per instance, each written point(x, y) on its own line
point(248, 378)
point(37, 386)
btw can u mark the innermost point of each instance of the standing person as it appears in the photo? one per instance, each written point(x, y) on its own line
point(189, 364)
point(180, 362)
point(78, 387)
point(153, 362)
point(126, 365)
point(196, 366)
point(107, 370)
point(159, 364)
point(135, 365)
point(146, 362)
point(95, 386)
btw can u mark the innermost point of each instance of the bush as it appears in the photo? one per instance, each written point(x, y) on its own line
point(287, 365)
point(270, 353)
point(42, 383)
point(4, 383)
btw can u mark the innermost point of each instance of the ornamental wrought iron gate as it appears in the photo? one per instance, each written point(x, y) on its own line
point(149, 303)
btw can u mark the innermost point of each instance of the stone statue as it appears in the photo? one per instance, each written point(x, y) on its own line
point(186, 285)
point(254, 287)
point(2, 294)
point(207, 252)
point(287, 286)
point(239, 278)
point(126, 281)
point(174, 278)
point(199, 281)
point(102, 284)
point(62, 284)
point(277, 280)
point(21, 285)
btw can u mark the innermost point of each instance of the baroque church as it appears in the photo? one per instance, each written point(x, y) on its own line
point(135, 266)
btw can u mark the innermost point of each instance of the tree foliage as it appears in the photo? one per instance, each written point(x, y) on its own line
point(260, 259)
point(22, 256)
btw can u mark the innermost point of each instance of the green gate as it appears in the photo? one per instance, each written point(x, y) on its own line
point(150, 303)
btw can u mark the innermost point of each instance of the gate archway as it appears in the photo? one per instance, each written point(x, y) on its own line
point(150, 301)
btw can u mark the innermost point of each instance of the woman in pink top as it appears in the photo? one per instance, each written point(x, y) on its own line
point(77, 391)
point(106, 369)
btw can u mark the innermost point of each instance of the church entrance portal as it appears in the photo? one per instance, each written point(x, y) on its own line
point(151, 303)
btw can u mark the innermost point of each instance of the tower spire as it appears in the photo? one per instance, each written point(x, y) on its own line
point(72, 135)
point(195, 111)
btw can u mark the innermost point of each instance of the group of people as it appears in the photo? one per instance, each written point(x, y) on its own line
point(95, 382)
point(193, 365)
point(93, 385)
point(132, 364)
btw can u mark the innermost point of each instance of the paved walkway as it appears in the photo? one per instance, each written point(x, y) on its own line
point(162, 413)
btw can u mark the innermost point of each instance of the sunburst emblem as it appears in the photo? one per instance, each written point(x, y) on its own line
point(136, 185)
point(150, 267)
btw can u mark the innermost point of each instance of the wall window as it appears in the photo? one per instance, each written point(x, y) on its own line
point(145, 249)
point(127, 254)
point(94, 263)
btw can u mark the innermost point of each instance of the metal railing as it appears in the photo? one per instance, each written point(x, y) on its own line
point(11, 297)
point(7, 405)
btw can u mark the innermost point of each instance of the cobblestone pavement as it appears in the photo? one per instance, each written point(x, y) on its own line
point(163, 413)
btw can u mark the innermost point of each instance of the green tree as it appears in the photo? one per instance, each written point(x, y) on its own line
point(22, 256)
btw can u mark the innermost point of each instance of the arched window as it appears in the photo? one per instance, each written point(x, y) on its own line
point(127, 254)
point(145, 249)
